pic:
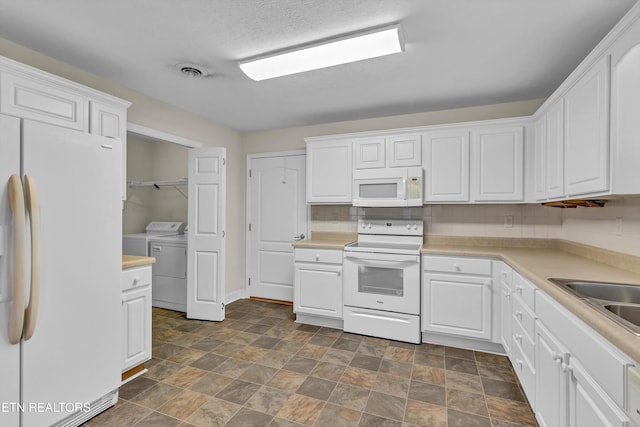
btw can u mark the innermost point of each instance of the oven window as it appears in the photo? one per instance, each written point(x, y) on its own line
point(381, 281)
point(378, 191)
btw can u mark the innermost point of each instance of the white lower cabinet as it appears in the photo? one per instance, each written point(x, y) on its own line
point(459, 303)
point(575, 377)
point(318, 282)
point(506, 290)
point(552, 403)
point(136, 316)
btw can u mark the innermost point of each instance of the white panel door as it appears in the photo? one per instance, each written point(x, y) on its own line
point(278, 214)
point(9, 353)
point(497, 170)
point(446, 163)
point(206, 241)
point(586, 141)
point(404, 150)
point(77, 334)
point(370, 153)
point(457, 305)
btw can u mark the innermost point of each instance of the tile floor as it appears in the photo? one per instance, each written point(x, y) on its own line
point(259, 368)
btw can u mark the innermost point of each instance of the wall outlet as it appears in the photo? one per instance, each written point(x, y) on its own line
point(618, 226)
point(508, 221)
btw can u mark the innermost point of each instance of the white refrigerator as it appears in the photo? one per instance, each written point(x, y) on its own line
point(63, 365)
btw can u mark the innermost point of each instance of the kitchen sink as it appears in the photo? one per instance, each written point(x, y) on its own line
point(630, 313)
point(618, 292)
point(618, 301)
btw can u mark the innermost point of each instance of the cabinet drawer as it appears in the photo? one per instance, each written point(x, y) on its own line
point(327, 256)
point(136, 277)
point(524, 340)
point(461, 265)
point(524, 289)
point(523, 316)
point(32, 99)
point(383, 324)
point(506, 276)
point(525, 372)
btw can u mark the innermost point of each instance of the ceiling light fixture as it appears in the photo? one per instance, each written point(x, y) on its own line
point(327, 53)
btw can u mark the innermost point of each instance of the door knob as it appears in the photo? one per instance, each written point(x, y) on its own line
point(299, 237)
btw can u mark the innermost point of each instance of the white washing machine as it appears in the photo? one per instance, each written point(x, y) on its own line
point(138, 243)
point(169, 281)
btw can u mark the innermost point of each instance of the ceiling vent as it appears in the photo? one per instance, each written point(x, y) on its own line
point(192, 70)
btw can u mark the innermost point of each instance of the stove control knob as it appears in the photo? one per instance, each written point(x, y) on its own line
point(364, 225)
point(408, 226)
point(415, 226)
point(369, 226)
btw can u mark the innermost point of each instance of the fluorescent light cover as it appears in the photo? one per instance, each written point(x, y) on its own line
point(352, 48)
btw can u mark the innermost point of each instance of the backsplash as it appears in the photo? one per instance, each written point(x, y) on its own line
point(590, 226)
point(450, 220)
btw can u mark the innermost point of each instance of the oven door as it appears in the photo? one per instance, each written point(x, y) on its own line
point(389, 282)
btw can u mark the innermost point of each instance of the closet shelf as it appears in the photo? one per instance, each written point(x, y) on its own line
point(170, 183)
point(175, 183)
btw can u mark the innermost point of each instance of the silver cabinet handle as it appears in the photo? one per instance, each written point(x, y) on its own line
point(299, 237)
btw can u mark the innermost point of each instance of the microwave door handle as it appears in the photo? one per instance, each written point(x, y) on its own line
point(402, 191)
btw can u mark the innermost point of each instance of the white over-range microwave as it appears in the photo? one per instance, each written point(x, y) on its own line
point(388, 187)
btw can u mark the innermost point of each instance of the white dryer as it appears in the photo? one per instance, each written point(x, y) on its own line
point(138, 243)
point(169, 281)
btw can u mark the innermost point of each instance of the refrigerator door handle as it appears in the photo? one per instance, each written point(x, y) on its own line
point(31, 313)
point(16, 202)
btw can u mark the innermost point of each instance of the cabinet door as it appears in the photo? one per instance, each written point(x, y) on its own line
point(404, 150)
point(111, 122)
point(552, 402)
point(539, 159)
point(457, 305)
point(589, 406)
point(445, 159)
point(587, 132)
point(497, 164)
point(554, 153)
point(505, 308)
point(329, 172)
point(370, 153)
point(136, 327)
point(42, 101)
point(318, 290)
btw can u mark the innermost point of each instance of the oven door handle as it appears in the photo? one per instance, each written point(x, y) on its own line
point(382, 259)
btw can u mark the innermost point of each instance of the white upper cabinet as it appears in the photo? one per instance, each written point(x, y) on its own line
point(370, 153)
point(539, 158)
point(445, 159)
point(329, 171)
point(404, 150)
point(625, 105)
point(388, 151)
point(554, 150)
point(497, 169)
point(586, 114)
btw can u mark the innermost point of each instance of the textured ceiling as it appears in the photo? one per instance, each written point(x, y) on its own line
point(457, 52)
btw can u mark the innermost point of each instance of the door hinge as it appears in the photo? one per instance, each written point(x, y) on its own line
point(249, 227)
point(249, 173)
point(249, 281)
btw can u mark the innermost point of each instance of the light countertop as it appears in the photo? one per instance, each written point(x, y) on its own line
point(539, 264)
point(327, 240)
point(129, 261)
